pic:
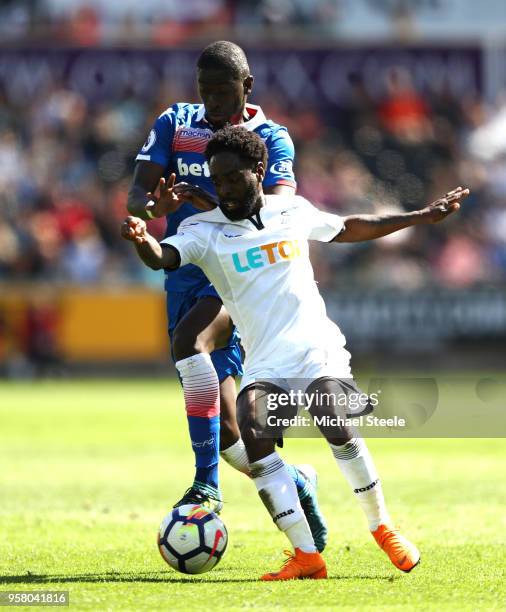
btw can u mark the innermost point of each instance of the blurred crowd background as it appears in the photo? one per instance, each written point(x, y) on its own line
point(66, 163)
point(174, 23)
point(66, 158)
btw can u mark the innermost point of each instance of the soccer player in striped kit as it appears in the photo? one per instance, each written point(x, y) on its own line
point(204, 341)
point(254, 248)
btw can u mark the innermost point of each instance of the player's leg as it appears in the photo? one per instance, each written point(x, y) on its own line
point(355, 461)
point(227, 363)
point(207, 328)
point(276, 488)
point(203, 327)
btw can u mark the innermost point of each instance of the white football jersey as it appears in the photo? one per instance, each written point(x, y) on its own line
point(260, 268)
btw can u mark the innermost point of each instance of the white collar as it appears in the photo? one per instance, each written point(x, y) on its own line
point(251, 124)
point(217, 216)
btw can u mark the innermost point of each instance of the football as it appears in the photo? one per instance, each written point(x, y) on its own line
point(192, 539)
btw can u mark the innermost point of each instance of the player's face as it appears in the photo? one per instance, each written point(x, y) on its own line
point(238, 185)
point(223, 96)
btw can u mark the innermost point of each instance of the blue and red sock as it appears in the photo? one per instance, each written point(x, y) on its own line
point(201, 390)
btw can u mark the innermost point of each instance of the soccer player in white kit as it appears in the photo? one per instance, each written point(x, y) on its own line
point(254, 250)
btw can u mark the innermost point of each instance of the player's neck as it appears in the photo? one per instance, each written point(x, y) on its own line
point(260, 203)
point(239, 118)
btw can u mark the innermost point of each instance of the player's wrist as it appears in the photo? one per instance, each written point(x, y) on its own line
point(150, 210)
point(417, 217)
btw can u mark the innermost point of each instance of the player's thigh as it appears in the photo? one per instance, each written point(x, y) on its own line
point(207, 326)
point(328, 403)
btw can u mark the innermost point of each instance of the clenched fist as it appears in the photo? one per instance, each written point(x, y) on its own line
point(134, 229)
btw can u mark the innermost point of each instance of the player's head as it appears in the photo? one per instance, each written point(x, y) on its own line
point(224, 81)
point(237, 161)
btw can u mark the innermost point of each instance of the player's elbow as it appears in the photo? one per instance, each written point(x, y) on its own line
point(132, 204)
point(352, 231)
point(154, 265)
point(136, 201)
point(150, 260)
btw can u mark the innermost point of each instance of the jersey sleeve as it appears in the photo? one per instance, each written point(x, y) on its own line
point(190, 242)
point(321, 225)
point(280, 163)
point(158, 145)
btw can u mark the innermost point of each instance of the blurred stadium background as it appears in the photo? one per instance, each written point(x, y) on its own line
point(390, 103)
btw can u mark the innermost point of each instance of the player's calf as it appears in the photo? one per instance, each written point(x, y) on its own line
point(229, 429)
point(260, 450)
point(279, 495)
point(306, 483)
point(202, 403)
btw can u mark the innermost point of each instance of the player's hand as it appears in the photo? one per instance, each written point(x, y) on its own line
point(442, 208)
point(198, 197)
point(134, 229)
point(167, 201)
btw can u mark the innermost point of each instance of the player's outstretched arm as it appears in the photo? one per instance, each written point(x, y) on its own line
point(148, 248)
point(358, 228)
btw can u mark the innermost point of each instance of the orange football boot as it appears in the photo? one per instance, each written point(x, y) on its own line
point(402, 553)
point(300, 565)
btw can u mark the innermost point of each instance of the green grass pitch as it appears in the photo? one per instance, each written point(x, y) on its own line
point(88, 470)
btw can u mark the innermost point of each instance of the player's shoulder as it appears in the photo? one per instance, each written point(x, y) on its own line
point(270, 131)
point(180, 111)
point(204, 221)
point(263, 126)
point(287, 204)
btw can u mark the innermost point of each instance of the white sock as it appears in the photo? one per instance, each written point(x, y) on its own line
point(237, 457)
point(279, 495)
point(358, 468)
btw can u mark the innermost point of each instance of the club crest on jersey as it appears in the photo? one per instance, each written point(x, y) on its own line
point(266, 254)
point(284, 166)
point(150, 141)
point(191, 140)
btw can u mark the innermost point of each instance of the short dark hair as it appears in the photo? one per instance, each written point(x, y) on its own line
point(224, 55)
point(238, 140)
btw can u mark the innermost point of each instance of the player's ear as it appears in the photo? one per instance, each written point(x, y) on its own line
point(248, 85)
point(260, 171)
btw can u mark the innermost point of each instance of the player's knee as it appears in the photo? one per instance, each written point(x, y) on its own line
point(228, 422)
point(334, 434)
point(228, 427)
point(185, 343)
point(228, 437)
point(247, 426)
